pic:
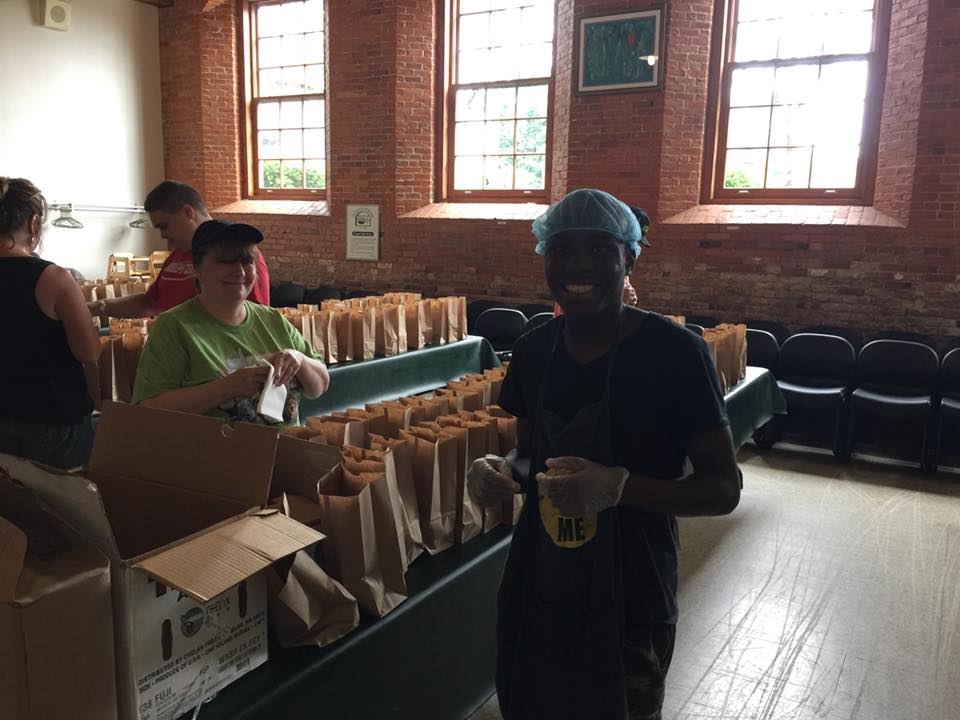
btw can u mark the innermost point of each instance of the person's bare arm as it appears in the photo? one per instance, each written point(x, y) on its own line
point(712, 489)
point(201, 399)
point(137, 305)
point(69, 308)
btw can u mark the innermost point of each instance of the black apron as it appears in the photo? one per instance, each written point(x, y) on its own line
point(560, 633)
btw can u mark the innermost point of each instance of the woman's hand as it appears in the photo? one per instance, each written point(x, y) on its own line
point(286, 365)
point(244, 382)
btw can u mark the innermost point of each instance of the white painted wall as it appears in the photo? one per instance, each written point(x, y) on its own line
point(80, 117)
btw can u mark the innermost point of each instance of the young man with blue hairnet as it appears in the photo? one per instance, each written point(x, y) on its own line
point(623, 421)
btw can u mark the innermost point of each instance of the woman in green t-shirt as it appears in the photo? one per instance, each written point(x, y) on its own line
point(214, 353)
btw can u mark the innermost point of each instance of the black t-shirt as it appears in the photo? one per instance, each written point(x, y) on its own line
point(664, 392)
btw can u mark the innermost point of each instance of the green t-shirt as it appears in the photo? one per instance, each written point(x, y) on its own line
point(188, 346)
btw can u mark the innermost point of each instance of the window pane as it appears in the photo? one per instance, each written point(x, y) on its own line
point(313, 79)
point(291, 174)
point(471, 65)
point(468, 173)
point(788, 168)
point(316, 174)
point(532, 101)
point(268, 115)
point(847, 5)
point(313, 113)
point(505, 28)
point(268, 52)
point(291, 115)
point(502, 65)
point(313, 16)
point(501, 103)
point(293, 49)
point(498, 173)
point(269, 83)
point(751, 86)
point(468, 139)
point(530, 172)
point(498, 137)
point(313, 48)
point(474, 31)
point(537, 23)
point(268, 144)
point(469, 6)
point(835, 167)
point(292, 17)
point(801, 37)
point(744, 168)
point(293, 80)
point(291, 143)
point(844, 80)
point(848, 33)
point(536, 61)
point(758, 9)
point(795, 84)
point(470, 104)
point(748, 127)
point(790, 125)
point(269, 20)
point(757, 41)
point(531, 136)
point(313, 144)
point(270, 174)
point(840, 123)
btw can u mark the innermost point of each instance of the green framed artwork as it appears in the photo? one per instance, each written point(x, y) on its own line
point(620, 52)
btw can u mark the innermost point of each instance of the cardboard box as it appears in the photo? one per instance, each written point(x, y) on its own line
point(174, 502)
point(56, 619)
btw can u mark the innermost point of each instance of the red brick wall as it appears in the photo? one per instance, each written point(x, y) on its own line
point(644, 146)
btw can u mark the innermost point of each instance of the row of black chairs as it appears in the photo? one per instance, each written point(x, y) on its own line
point(291, 294)
point(895, 382)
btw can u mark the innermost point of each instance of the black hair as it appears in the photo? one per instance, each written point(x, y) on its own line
point(170, 196)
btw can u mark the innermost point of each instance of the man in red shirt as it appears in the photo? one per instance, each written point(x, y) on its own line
point(176, 210)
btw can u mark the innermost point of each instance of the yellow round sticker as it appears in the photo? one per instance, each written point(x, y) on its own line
point(565, 532)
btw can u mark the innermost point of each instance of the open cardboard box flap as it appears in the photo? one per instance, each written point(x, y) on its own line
point(212, 562)
point(195, 453)
point(300, 466)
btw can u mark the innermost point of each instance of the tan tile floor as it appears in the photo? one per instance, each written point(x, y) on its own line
point(833, 593)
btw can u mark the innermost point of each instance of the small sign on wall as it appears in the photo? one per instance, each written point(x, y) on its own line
point(363, 232)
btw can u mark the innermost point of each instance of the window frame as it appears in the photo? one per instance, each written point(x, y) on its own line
point(251, 101)
point(718, 108)
point(448, 22)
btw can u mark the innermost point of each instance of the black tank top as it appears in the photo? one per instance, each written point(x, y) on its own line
point(40, 379)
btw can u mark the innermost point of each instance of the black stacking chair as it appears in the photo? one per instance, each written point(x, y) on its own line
point(286, 294)
point(895, 382)
point(952, 344)
point(531, 309)
point(851, 336)
point(814, 374)
point(780, 331)
point(502, 327)
point(948, 413)
point(693, 327)
point(475, 308)
point(315, 296)
point(907, 336)
point(538, 320)
point(763, 350)
point(704, 321)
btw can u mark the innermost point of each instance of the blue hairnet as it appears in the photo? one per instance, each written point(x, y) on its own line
point(593, 211)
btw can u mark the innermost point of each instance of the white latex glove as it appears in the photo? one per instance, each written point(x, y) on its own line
point(590, 489)
point(490, 481)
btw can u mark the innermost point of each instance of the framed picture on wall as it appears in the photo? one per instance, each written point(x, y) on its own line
point(620, 52)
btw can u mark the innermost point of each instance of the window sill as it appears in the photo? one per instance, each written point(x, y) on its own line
point(847, 215)
point(479, 211)
point(275, 207)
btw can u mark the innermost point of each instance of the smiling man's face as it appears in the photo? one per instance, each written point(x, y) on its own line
point(585, 271)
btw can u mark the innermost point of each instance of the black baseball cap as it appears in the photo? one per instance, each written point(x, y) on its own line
point(216, 231)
